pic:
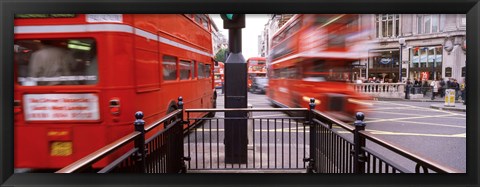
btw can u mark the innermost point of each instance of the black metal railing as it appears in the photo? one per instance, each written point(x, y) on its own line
point(274, 142)
point(311, 141)
point(162, 152)
point(341, 148)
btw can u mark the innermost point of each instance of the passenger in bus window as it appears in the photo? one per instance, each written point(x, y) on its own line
point(51, 63)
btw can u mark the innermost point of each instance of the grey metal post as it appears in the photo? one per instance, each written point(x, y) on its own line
point(400, 65)
point(235, 92)
point(250, 128)
point(359, 142)
point(140, 142)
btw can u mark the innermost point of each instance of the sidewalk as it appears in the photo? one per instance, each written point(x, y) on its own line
point(439, 103)
point(458, 107)
point(425, 99)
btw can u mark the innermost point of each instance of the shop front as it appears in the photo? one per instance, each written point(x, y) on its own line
point(426, 62)
point(383, 65)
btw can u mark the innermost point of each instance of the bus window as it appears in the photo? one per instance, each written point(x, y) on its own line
point(208, 71)
point(192, 67)
point(201, 70)
point(205, 23)
point(169, 68)
point(198, 19)
point(56, 62)
point(185, 68)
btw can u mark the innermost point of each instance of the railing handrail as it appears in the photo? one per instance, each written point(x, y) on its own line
point(105, 150)
point(335, 121)
point(246, 109)
point(160, 121)
point(407, 154)
point(99, 154)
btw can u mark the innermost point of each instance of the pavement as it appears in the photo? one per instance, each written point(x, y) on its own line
point(458, 107)
point(437, 103)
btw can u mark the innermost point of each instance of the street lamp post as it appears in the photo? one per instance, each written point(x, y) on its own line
point(433, 67)
point(401, 41)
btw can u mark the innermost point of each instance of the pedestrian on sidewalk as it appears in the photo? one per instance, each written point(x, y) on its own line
point(434, 85)
point(464, 92)
point(425, 87)
point(442, 87)
point(416, 84)
point(449, 83)
point(456, 87)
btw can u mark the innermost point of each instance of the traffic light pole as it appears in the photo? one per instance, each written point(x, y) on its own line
point(236, 139)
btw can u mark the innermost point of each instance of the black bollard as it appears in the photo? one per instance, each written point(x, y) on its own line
point(407, 92)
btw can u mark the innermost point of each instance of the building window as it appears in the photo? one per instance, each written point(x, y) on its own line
point(205, 23)
point(169, 68)
point(387, 25)
point(426, 56)
point(464, 71)
point(429, 23)
point(448, 72)
point(198, 19)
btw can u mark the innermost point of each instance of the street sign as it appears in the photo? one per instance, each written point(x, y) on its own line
point(450, 98)
point(424, 75)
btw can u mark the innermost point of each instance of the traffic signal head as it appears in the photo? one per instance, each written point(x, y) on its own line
point(233, 21)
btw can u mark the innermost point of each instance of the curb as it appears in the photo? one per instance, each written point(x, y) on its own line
point(448, 108)
point(412, 100)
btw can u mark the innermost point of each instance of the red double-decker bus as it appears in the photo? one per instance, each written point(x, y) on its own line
point(81, 77)
point(256, 68)
point(218, 72)
point(311, 57)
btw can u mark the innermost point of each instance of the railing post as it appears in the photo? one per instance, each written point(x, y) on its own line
point(140, 142)
point(183, 159)
point(359, 142)
point(180, 106)
point(311, 160)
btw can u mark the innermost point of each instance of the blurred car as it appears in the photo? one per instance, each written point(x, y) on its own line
point(259, 85)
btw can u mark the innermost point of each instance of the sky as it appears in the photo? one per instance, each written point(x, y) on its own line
point(254, 25)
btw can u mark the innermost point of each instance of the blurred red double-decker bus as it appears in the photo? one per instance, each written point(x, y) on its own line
point(256, 68)
point(81, 77)
point(311, 57)
point(218, 72)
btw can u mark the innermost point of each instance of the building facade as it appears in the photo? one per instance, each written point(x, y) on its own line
point(420, 46)
point(275, 22)
point(219, 40)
